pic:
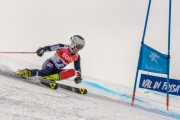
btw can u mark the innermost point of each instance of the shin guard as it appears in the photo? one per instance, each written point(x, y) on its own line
point(65, 74)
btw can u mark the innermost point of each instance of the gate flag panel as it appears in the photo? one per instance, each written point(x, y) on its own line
point(159, 84)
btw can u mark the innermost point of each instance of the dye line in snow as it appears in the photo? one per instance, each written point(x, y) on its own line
point(100, 87)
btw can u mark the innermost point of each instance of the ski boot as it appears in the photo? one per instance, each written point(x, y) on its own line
point(24, 73)
point(53, 77)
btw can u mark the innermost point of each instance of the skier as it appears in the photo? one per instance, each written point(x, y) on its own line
point(52, 69)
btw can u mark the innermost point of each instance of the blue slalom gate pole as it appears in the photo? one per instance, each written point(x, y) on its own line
point(168, 63)
point(142, 42)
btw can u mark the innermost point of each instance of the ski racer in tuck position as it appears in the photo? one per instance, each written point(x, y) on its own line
point(52, 69)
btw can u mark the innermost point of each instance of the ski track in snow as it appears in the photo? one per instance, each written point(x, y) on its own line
point(20, 100)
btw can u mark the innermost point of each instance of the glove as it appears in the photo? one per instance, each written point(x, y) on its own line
point(40, 52)
point(77, 80)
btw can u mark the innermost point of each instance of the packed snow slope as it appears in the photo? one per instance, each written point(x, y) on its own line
point(20, 100)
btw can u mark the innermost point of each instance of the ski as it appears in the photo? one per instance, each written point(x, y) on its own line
point(50, 84)
point(54, 85)
point(42, 82)
point(82, 91)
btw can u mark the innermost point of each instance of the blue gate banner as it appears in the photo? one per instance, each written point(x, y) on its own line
point(159, 84)
point(153, 61)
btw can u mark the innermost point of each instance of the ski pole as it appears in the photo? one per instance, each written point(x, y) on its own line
point(17, 52)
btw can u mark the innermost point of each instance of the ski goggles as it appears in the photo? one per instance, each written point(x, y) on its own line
point(79, 47)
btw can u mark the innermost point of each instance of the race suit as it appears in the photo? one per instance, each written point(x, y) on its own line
point(63, 56)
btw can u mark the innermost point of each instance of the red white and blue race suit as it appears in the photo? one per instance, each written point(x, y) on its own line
point(63, 56)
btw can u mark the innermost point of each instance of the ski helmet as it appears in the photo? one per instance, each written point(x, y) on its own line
point(77, 41)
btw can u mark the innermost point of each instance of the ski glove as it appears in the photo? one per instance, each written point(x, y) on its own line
point(40, 52)
point(77, 80)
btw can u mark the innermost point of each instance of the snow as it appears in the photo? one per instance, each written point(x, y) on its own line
point(20, 100)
